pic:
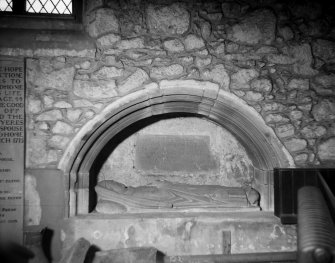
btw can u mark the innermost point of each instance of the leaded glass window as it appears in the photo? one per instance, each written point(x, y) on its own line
point(42, 9)
point(49, 6)
point(6, 5)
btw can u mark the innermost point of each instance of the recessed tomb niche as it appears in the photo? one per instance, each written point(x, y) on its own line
point(175, 164)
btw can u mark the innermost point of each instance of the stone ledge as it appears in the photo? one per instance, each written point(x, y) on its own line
point(41, 21)
point(254, 216)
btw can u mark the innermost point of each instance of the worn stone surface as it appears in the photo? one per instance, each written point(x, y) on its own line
point(217, 74)
point(206, 30)
point(134, 81)
point(313, 131)
point(305, 107)
point(127, 255)
point(94, 4)
point(285, 130)
point(51, 115)
point(95, 89)
point(73, 114)
point(310, 10)
point(240, 79)
point(132, 22)
point(36, 150)
point(108, 40)
point(295, 115)
point(326, 150)
point(107, 73)
point(324, 110)
point(34, 106)
point(62, 105)
point(112, 61)
point(62, 128)
point(104, 21)
point(303, 59)
point(173, 153)
point(58, 142)
point(280, 59)
point(234, 161)
point(324, 49)
point(167, 20)
point(48, 101)
point(261, 85)
point(173, 70)
point(253, 96)
point(81, 103)
point(193, 42)
point(32, 208)
point(326, 81)
point(294, 144)
point(219, 48)
point(273, 107)
point(130, 43)
point(52, 156)
point(301, 158)
point(276, 118)
point(257, 27)
point(300, 84)
point(286, 33)
point(77, 252)
point(39, 75)
point(203, 62)
point(174, 45)
point(233, 9)
point(186, 235)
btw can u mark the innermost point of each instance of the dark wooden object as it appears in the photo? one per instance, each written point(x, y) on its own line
point(287, 182)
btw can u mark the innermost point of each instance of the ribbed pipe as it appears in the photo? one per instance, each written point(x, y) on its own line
point(316, 230)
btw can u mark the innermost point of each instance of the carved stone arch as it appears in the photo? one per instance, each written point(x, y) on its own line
point(198, 98)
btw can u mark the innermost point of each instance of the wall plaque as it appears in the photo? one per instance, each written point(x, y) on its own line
point(12, 136)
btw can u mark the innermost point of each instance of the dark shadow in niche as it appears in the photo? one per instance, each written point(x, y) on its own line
point(160, 257)
point(91, 254)
point(47, 235)
point(115, 141)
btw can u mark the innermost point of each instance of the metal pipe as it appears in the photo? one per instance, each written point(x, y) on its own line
point(316, 230)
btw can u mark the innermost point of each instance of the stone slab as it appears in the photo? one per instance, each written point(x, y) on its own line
point(156, 153)
point(183, 233)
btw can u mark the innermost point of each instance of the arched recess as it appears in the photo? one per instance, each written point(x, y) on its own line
point(198, 98)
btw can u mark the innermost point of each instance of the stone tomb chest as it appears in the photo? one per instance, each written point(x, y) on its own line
point(184, 174)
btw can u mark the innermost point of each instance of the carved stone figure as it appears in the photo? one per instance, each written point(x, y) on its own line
point(114, 197)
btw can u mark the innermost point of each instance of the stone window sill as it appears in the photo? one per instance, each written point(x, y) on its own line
point(45, 42)
point(40, 22)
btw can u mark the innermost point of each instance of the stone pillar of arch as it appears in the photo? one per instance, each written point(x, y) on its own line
point(198, 98)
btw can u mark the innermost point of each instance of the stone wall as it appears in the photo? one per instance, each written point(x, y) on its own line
point(277, 57)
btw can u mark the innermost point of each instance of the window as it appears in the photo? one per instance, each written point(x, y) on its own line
point(6, 5)
point(60, 8)
point(41, 14)
point(49, 6)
